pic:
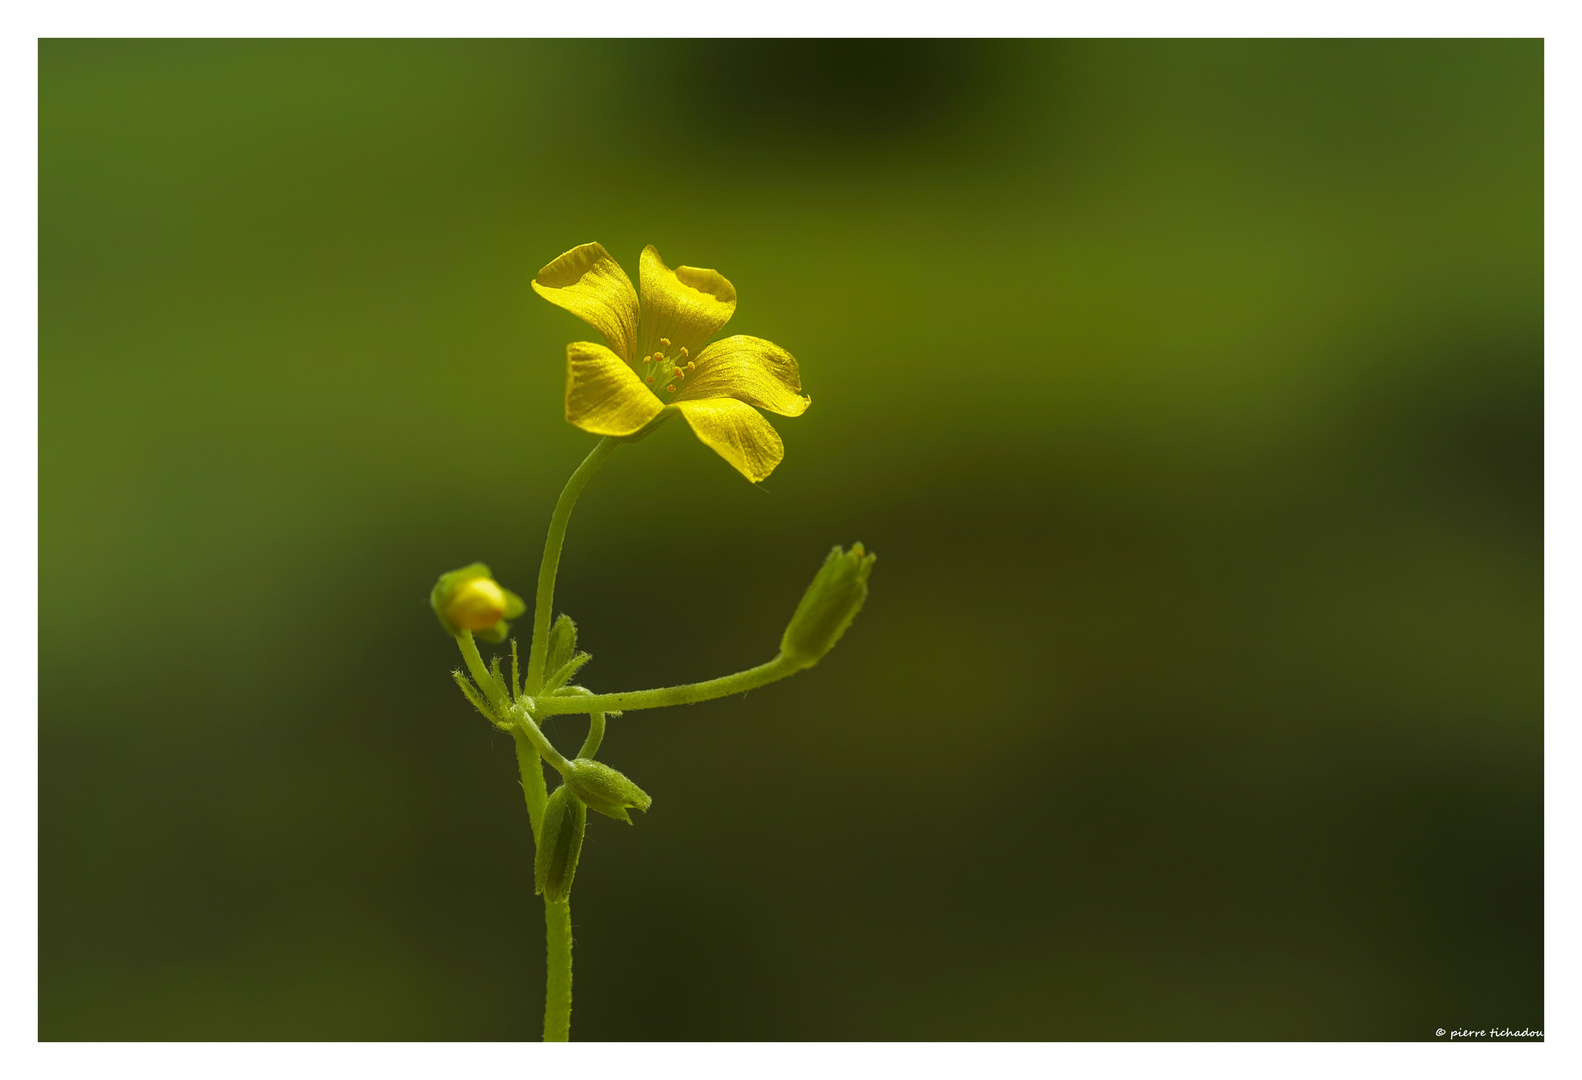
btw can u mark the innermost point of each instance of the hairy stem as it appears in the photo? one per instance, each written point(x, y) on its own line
point(540, 741)
point(533, 788)
point(544, 602)
point(480, 673)
point(557, 994)
point(590, 745)
point(726, 685)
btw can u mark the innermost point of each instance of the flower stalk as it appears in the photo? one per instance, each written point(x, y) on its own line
point(550, 565)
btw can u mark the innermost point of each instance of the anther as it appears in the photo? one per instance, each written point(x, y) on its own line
point(665, 342)
point(684, 351)
point(671, 388)
point(680, 374)
point(649, 380)
point(691, 366)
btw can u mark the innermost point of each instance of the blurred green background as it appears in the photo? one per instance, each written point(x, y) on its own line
point(1190, 393)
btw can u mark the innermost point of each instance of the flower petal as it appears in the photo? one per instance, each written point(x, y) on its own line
point(686, 305)
point(748, 369)
point(603, 395)
point(737, 433)
point(591, 285)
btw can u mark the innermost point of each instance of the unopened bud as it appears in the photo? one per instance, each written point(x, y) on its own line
point(559, 845)
point(605, 790)
point(477, 604)
point(470, 599)
point(828, 606)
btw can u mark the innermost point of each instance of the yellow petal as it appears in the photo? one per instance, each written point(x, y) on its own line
point(748, 369)
point(737, 433)
point(603, 395)
point(591, 285)
point(686, 305)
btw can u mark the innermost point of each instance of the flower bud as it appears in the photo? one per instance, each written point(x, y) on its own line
point(559, 845)
point(605, 790)
point(470, 599)
point(828, 606)
point(476, 604)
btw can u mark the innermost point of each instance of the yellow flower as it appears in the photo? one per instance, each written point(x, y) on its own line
point(653, 366)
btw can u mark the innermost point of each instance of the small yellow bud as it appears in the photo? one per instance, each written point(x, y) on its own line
point(476, 605)
point(469, 599)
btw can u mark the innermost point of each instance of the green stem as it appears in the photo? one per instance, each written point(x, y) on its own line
point(726, 685)
point(540, 741)
point(557, 994)
point(533, 789)
point(480, 673)
point(590, 745)
point(544, 603)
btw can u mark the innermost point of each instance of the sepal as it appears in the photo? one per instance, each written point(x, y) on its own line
point(477, 699)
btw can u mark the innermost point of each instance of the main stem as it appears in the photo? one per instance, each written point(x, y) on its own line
point(557, 996)
point(533, 788)
point(544, 603)
point(557, 917)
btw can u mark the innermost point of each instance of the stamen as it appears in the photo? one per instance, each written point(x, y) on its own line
point(680, 374)
point(691, 366)
point(649, 380)
point(671, 388)
point(665, 342)
point(684, 351)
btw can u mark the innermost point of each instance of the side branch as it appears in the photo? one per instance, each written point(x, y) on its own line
point(691, 693)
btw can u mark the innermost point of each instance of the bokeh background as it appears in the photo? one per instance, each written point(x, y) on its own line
point(1190, 393)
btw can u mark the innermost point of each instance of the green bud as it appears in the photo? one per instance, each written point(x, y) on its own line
point(828, 606)
point(564, 661)
point(470, 599)
point(562, 643)
point(605, 790)
point(559, 845)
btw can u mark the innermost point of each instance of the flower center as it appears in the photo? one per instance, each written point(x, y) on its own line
point(664, 370)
